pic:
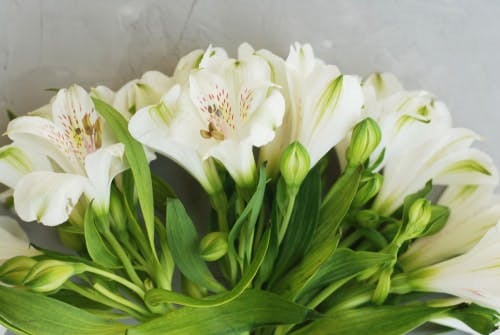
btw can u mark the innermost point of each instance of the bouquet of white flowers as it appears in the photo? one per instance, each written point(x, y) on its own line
point(336, 206)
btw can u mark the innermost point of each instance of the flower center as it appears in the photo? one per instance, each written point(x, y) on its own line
point(78, 135)
point(217, 109)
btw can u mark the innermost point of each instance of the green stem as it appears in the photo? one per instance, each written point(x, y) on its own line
point(97, 297)
point(129, 268)
point(325, 293)
point(137, 232)
point(119, 299)
point(351, 239)
point(137, 289)
point(286, 219)
point(219, 203)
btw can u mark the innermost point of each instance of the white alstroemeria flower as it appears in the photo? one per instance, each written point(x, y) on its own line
point(3, 330)
point(223, 111)
point(135, 94)
point(322, 108)
point(473, 276)
point(419, 142)
point(13, 240)
point(474, 210)
point(84, 156)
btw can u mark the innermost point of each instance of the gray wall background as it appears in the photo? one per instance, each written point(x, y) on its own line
point(451, 48)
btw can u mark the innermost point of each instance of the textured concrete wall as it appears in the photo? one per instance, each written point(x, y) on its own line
point(451, 48)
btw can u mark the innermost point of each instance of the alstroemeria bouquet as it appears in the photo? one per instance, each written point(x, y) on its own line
point(336, 206)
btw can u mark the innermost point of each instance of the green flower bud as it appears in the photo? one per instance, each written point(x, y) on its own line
point(14, 270)
point(295, 164)
point(419, 216)
point(49, 275)
point(383, 287)
point(213, 246)
point(117, 212)
point(192, 289)
point(365, 138)
point(367, 218)
point(368, 190)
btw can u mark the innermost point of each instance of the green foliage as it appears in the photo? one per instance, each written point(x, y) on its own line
point(184, 244)
point(30, 313)
point(249, 311)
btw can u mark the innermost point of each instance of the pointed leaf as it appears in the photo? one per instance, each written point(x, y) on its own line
point(157, 296)
point(302, 224)
point(384, 320)
point(96, 247)
point(183, 241)
point(136, 158)
point(30, 313)
point(251, 310)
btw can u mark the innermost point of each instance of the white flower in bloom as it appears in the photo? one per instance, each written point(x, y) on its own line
point(135, 94)
point(419, 143)
point(84, 158)
point(13, 240)
point(474, 210)
point(322, 104)
point(473, 276)
point(223, 111)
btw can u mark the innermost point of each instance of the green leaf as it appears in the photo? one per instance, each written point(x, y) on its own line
point(250, 310)
point(11, 115)
point(345, 264)
point(161, 191)
point(183, 241)
point(96, 247)
point(326, 236)
point(34, 314)
point(249, 216)
point(383, 320)
point(136, 158)
point(302, 225)
point(158, 296)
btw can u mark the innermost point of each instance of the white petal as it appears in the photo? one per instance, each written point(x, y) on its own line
point(238, 159)
point(48, 197)
point(36, 134)
point(13, 240)
point(73, 102)
point(381, 85)
point(261, 127)
point(102, 167)
point(186, 64)
point(14, 164)
point(164, 132)
point(103, 93)
point(301, 58)
point(334, 119)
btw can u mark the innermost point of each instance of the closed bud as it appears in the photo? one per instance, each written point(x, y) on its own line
point(368, 190)
point(13, 271)
point(419, 216)
point(117, 212)
point(367, 218)
point(295, 164)
point(383, 287)
point(213, 246)
point(365, 138)
point(49, 275)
